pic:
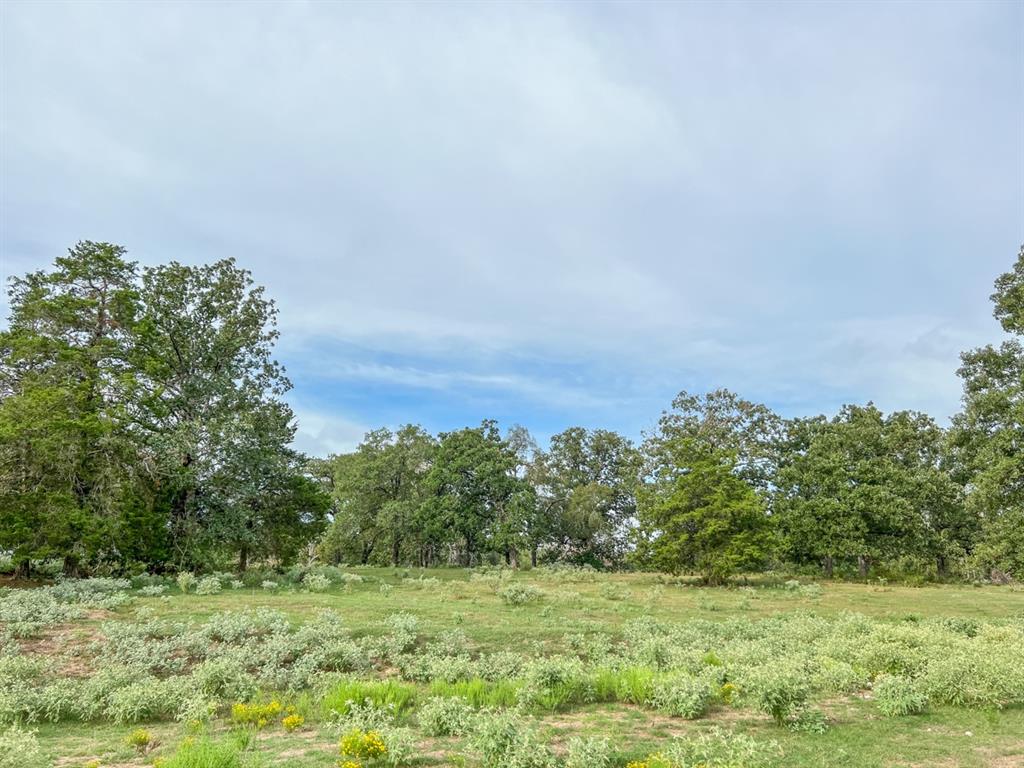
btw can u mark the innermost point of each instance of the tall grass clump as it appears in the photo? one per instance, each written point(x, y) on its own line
point(388, 694)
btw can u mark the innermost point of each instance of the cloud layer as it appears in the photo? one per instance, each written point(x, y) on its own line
point(546, 213)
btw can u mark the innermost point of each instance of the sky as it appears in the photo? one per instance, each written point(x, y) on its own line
point(550, 214)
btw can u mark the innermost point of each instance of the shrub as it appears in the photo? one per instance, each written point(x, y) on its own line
point(718, 748)
point(140, 739)
point(588, 753)
point(518, 593)
point(504, 740)
point(681, 697)
point(316, 582)
point(153, 590)
point(442, 716)
point(898, 696)
point(186, 579)
point(20, 749)
point(612, 591)
point(808, 721)
point(779, 692)
point(255, 715)
point(269, 585)
point(208, 585)
point(360, 744)
point(403, 632)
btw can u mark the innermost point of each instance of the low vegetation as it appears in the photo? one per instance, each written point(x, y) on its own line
point(457, 674)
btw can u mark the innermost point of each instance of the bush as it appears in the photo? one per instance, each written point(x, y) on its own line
point(316, 582)
point(208, 585)
point(20, 749)
point(612, 591)
point(588, 753)
point(442, 716)
point(898, 696)
point(504, 740)
point(362, 745)
point(256, 715)
point(718, 748)
point(779, 692)
point(681, 697)
point(186, 580)
point(518, 593)
point(140, 739)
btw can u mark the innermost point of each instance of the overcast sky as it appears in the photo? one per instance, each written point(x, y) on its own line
point(550, 214)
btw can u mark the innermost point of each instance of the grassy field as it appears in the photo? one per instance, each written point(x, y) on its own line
point(573, 646)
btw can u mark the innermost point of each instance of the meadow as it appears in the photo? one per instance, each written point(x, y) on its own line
point(566, 667)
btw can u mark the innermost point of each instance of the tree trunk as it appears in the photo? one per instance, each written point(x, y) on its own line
point(863, 563)
point(70, 567)
point(243, 558)
point(533, 556)
point(942, 566)
point(828, 566)
point(23, 570)
point(396, 550)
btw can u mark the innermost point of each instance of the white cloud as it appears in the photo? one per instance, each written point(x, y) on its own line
point(659, 196)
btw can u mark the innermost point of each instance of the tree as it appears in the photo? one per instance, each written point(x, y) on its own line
point(722, 421)
point(65, 462)
point(476, 500)
point(201, 359)
point(866, 486)
point(378, 492)
point(987, 436)
point(701, 515)
point(586, 492)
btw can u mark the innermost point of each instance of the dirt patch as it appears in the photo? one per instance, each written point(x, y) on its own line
point(67, 645)
point(998, 758)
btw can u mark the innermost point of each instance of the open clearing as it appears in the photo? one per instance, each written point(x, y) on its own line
point(639, 660)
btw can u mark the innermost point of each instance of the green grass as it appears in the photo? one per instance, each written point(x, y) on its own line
point(859, 737)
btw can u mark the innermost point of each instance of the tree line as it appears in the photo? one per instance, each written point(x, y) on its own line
point(142, 424)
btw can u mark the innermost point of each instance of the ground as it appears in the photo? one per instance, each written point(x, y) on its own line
point(858, 736)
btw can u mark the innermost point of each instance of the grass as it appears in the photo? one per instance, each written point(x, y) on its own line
point(860, 737)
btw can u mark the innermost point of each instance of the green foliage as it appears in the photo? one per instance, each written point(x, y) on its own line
point(681, 696)
point(445, 716)
point(985, 439)
point(588, 753)
point(899, 696)
point(868, 486)
point(388, 694)
point(20, 749)
point(506, 740)
point(141, 420)
point(518, 593)
point(700, 515)
point(206, 752)
point(718, 748)
point(779, 691)
point(479, 693)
